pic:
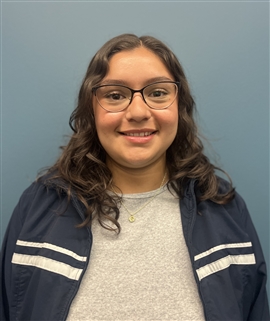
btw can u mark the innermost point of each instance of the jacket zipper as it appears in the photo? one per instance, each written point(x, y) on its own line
point(193, 212)
point(79, 211)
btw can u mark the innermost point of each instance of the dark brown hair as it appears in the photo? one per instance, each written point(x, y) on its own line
point(82, 165)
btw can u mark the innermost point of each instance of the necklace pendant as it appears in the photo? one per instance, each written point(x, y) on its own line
point(131, 218)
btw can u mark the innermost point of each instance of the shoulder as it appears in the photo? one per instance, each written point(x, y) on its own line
point(42, 209)
point(212, 217)
point(43, 198)
point(235, 204)
point(236, 207)
point(228, 223)
point(216, 224)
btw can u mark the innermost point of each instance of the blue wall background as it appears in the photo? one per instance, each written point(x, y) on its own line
point(223, 46)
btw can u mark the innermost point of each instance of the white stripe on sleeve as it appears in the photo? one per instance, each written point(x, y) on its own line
point(221, 247)
point(224, 263)
point(48, 265)
point(54, 248)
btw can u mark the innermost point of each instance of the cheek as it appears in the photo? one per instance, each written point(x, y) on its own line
point(99, 122)
point(106, 123)
point(171, 125)
point(100, 117)
point(170, 120)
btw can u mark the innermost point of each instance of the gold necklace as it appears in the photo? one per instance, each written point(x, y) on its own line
point(131, 215)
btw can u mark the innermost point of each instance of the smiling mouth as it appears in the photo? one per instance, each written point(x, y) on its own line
point(141, 134)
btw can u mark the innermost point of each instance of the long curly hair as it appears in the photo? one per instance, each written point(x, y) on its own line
point(82, 164)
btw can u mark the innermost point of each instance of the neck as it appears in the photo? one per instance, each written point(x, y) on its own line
point(138, 180)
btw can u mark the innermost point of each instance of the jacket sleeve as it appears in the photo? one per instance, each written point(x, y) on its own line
point(259, 309)
point(8, 248)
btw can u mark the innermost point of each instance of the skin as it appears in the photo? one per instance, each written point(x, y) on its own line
point(138, 164)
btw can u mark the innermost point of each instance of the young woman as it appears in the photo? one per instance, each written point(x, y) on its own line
point(132, 223)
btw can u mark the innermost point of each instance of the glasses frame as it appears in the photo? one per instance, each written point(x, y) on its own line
point(133, 91)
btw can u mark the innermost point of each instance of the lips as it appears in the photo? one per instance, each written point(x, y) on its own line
point(138, 133)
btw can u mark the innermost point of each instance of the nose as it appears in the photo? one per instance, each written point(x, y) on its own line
point(138, 109)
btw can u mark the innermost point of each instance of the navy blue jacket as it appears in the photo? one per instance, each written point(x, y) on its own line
point(44, 257)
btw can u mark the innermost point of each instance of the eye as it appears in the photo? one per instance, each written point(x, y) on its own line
point(114, 96)
point(156, 93)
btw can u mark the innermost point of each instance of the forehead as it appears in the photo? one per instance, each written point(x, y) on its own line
point(136, 67)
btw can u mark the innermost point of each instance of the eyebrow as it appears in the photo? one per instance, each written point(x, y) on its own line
point(125, 83)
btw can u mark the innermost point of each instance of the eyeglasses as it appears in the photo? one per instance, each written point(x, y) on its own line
point(116, 98)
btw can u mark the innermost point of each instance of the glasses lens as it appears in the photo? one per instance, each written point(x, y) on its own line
point(113, 98)
point(160, 95)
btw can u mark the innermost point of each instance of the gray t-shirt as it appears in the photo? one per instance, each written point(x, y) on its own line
point(144, 273)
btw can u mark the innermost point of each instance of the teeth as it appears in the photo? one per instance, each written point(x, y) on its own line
point(139, 134)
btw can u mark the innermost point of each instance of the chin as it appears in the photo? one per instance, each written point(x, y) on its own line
point(140, 163)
